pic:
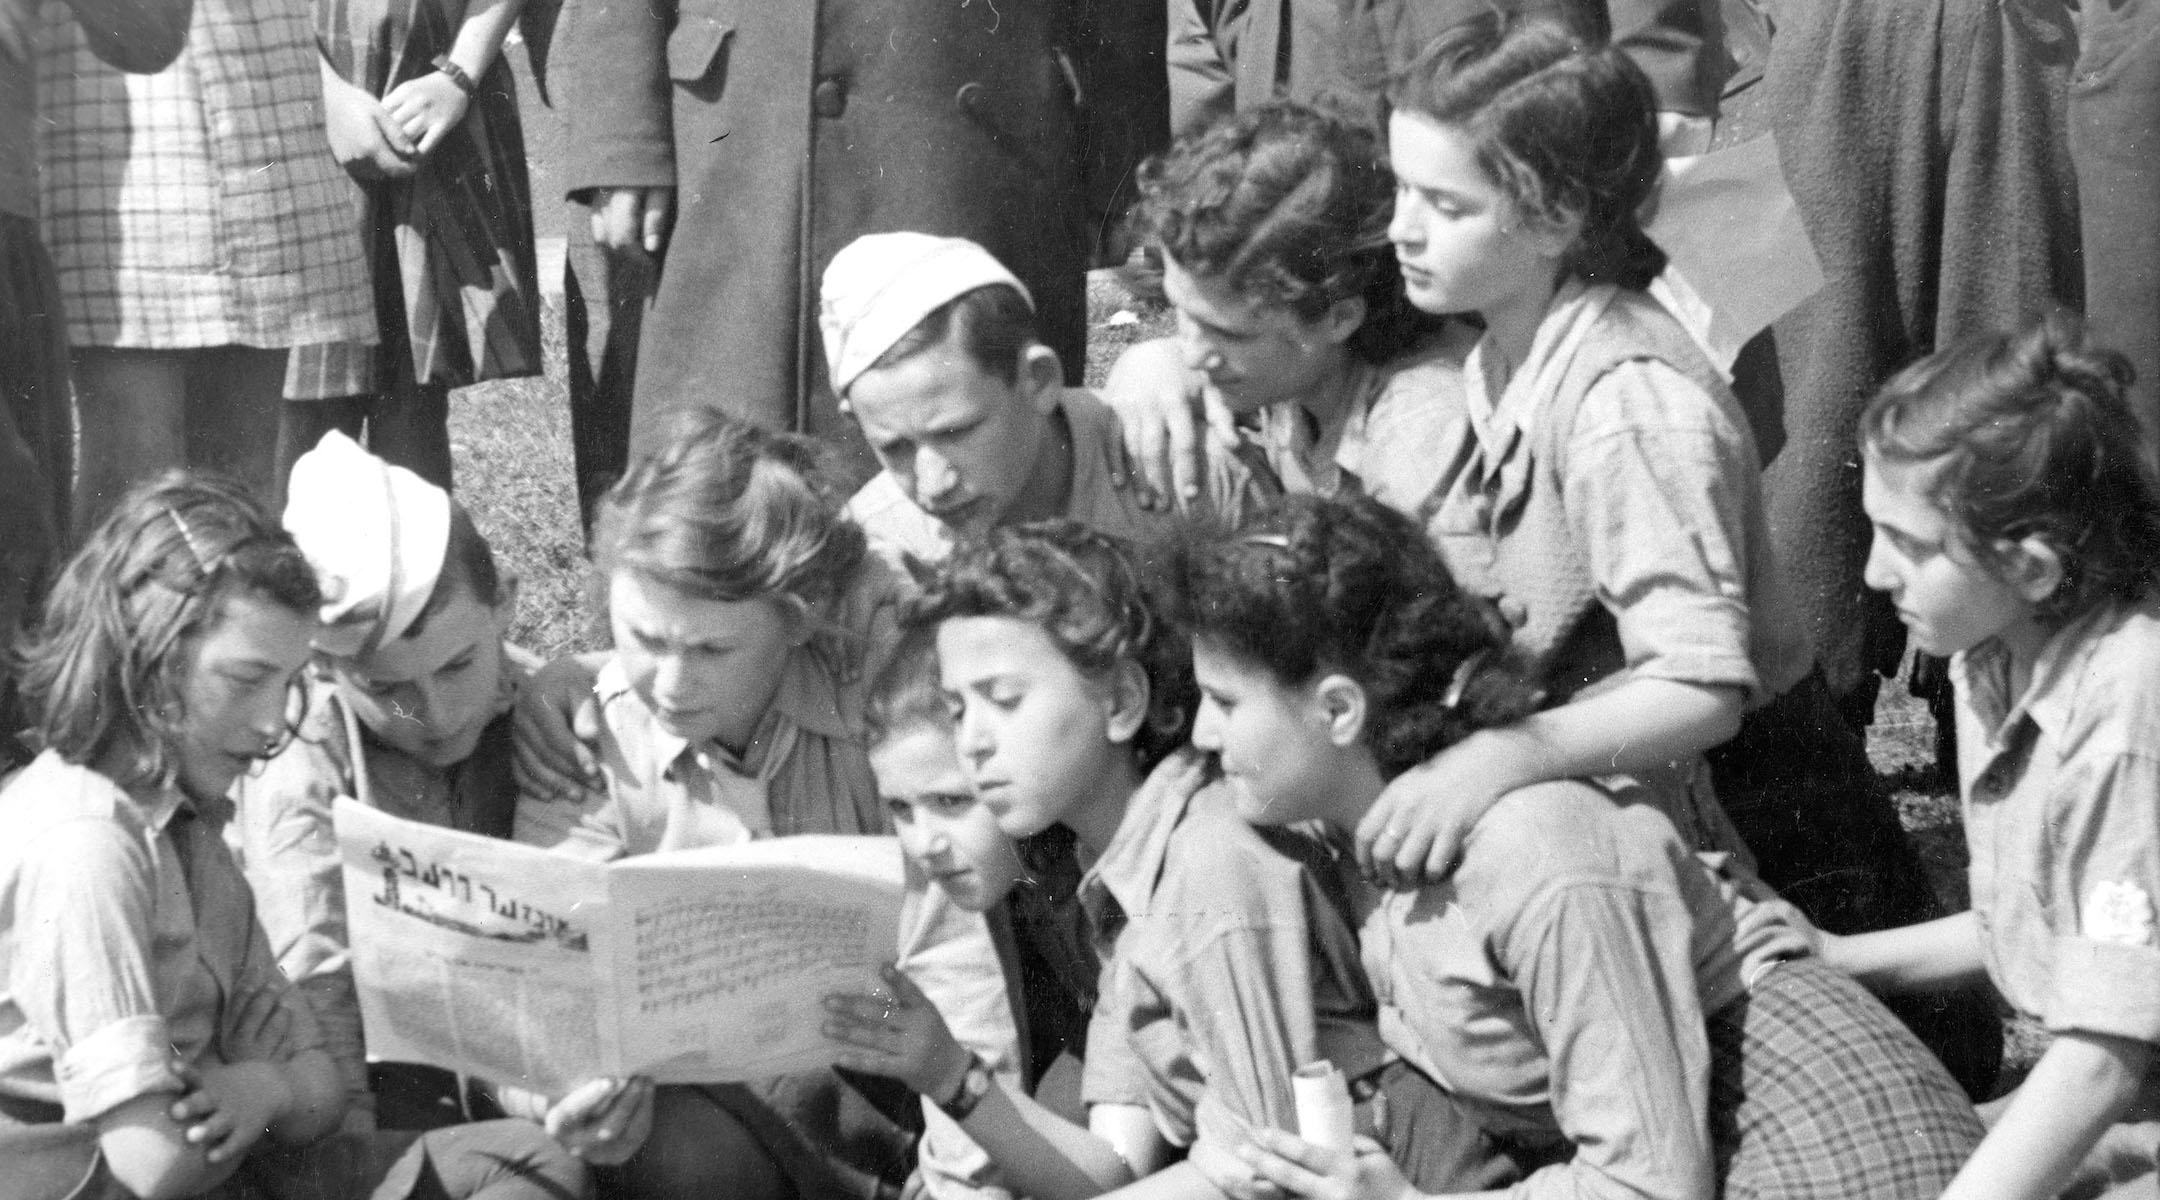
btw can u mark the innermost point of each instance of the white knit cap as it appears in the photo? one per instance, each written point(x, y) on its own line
point(376, 536)
point(883, 284)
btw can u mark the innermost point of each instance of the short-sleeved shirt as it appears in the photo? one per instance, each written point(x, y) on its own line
point(1558, 983)
point(130, 948)
point(1229, 962)
point(806, 769)
point(1101, 498)
point(2061, 789)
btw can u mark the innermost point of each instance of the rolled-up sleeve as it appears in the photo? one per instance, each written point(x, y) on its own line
point(1656, 482)
point(1606, 974)
point(1244, 998)
point(288, 849)
point(82, 969)
point(2106, 976)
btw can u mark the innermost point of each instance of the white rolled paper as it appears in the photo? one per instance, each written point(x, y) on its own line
point(1323, 1104)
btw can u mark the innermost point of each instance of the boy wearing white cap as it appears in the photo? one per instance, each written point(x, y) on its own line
point(930, 343)
point(410, 716)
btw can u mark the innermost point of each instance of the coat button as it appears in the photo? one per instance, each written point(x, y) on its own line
point(829, 98)
point(1514, 611)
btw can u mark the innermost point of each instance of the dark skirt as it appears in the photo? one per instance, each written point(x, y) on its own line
point(1817, 1091)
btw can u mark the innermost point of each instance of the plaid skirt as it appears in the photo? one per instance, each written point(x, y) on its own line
point(1818, 1093)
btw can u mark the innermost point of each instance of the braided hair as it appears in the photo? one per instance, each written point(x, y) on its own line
point(2037, 439)
point(1348, 585)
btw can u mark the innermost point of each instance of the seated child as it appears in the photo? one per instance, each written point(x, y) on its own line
point(1576, 985)
point(1229, 959)
point(148, 1041)
point(1013, 998)
point(411, 717)
point(1292, 327)
point(2017, 531)
point(748, 620)
point(930, 343)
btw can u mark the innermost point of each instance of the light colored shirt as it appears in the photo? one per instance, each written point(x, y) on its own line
point(285, 841)
point(2061, 790)
point(129, 948)
point(1559, 982)
point(1227, 966)
point(898, 527)
point(1390, 442)
point(806, 769)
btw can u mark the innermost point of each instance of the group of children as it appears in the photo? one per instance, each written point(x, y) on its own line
point(1389, 753)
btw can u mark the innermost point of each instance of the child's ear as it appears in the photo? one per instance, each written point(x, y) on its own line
point(2034, 567)
point(1343, 318)
point(1552, 235)
point(1042, 377)
point(1128, 697)
point(1341, 703)
point(506, 599)
point(800, 617)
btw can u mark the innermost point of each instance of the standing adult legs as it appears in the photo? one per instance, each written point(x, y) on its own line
point(235, 399)
point(131, 408)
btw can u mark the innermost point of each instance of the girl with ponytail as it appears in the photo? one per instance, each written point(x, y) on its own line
point(2017, 531)
point(1580, 984)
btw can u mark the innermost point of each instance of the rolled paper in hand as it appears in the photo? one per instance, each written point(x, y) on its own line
point(1323, 1105)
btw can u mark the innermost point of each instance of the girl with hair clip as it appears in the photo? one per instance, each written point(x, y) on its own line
point(1229, 959)
point(1578, 986)
point(148, 1042)
point(2017, 531)
point(1600, 483)
point(1270, 230)
point(748, 620)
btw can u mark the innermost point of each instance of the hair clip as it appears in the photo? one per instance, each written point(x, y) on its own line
point(1280, 541)
point(187, 534)
point(1463, 671)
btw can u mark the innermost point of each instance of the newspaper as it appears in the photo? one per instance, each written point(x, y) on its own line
point(696, 966)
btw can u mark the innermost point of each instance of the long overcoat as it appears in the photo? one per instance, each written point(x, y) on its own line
point(790, 127)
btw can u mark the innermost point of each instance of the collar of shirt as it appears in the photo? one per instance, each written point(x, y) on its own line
point(1307, 454)
point(1536, 380)
point(1982, 675)
point(1130, 867)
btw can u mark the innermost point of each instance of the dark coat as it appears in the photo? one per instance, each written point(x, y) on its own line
point(1923, 142)
point(791, 127)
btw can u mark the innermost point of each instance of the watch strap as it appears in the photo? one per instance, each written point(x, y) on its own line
point(457, 75)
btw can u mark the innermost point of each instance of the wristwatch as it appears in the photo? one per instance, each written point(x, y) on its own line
point(974, 1085)
point(457, 75)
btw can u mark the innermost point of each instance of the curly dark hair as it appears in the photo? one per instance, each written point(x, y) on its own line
point(104, 673)
point(1564, 129)
point(1349, 585)
point(1085, 591)
point(2037, 439)
point(1287, 203)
